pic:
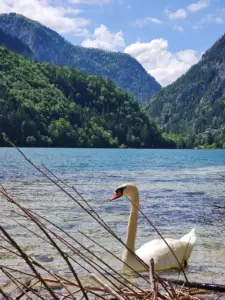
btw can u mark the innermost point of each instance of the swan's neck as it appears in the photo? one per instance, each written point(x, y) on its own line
point(132, 228)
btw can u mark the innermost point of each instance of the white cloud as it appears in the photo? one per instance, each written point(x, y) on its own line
point(188, 56)
point(198, 5)
point(218, 17)
point(219, 20)
point(90, 2)
point(178, 28)
point(146, 21)
point(178, 14)
point(183, 13)
point(162, 64)
point(104, 39)
point(56, 17)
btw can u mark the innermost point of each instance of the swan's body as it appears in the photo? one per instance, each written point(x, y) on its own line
point(163, 257)
point(156, 249)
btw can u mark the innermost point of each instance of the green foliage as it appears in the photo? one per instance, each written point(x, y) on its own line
point(49, 46)
point(192, 107)
point(30, 140)
point(45, 105)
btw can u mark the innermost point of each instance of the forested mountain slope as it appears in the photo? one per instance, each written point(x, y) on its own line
point(49, 46)
point(45, 105)
point(193, 106)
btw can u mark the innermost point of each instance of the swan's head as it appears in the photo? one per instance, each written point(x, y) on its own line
point(127, 189)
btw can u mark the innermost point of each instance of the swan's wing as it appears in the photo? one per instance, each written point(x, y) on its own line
point(159, 251)
point(148, 245)
point(156, 249)
point(152, 244)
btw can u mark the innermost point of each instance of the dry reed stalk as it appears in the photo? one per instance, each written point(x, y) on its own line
point(5, 295)
point(77, 252)
point(23, 287)
point(26, 259)
point(58, 279)
point(73, 293)
point(29, 214)
point(53, 238)
point(152, 280)
point(97, 218)
point(17, 271)
point(64, 256)
point(110, 252)
point(107, 287)
point(107, 227)
point(104, 225)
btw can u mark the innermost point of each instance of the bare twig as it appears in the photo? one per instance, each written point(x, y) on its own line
point(117, 285)
point(107, 287)
point(152, 280)
point(25, 257)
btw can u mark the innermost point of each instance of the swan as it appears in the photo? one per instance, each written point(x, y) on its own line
point(156, 249)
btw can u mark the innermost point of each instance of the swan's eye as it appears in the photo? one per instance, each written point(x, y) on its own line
point(120, 190)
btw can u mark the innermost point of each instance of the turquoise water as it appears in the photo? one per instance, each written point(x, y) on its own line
point(177, 191)
point(69, 161)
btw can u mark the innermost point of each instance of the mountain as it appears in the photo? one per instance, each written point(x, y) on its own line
point(14, 44)
point(193, 106)
point(49, 46)
point(45, 105)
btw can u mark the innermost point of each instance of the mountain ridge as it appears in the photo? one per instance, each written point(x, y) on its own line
point(14, 44)
point(193, 106)
point(44, 105)
point(47, 45)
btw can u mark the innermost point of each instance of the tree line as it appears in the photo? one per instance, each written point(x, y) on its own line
point(44, 105)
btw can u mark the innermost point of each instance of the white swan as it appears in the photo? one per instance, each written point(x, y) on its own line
point(156, 249)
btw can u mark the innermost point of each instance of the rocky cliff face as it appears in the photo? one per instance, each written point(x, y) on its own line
point(14, 44)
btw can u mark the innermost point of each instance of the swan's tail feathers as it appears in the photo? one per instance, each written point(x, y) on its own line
point(190, 240)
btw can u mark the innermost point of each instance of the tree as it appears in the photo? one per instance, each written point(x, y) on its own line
point(62, 107)
point(30, 140)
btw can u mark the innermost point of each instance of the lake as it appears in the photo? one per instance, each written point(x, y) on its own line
point(177, 191)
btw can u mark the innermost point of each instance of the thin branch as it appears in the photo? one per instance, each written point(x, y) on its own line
point(25, 257)
point(64, 256)
point(107, 287)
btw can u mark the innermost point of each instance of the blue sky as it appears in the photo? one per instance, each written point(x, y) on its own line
point(166, 36)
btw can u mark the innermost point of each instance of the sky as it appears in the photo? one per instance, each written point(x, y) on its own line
point(166, 36)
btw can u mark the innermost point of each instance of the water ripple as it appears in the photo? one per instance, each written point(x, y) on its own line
point(177, 192)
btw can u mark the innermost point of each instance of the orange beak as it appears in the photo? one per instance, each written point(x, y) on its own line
point(115, 196)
